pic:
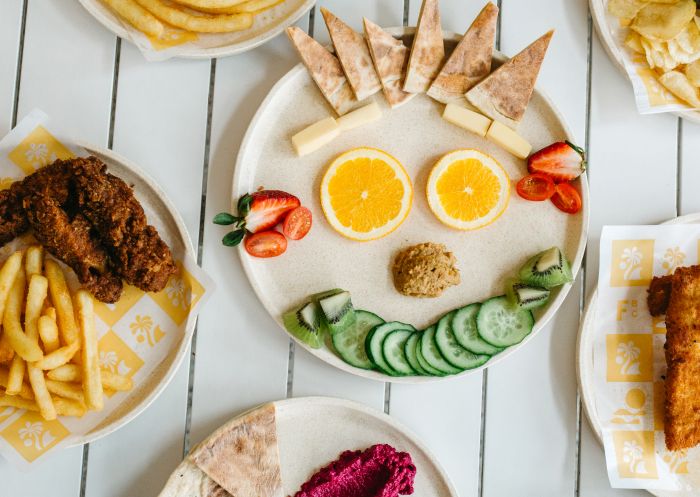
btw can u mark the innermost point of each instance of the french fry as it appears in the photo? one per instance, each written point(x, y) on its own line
point(210, 4)
point(27, 348)
point(33, 260)
point(15, 377)
point(24, 392)
point(50, 312)
point(69, 407)
point(92, 383)
point(137, 16)
point(249, 6)
point(6, 350)
point(18, 402)
point(48, 331)
point(58, 357)
point(205, 23)
point(66, 390)
point(42, 397)
point(61, 298)
point(38, 288)
point(8, 273)
point(110, 381)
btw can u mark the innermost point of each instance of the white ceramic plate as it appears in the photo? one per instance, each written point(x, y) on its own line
point(162, 214)
point(585, 372)
point(417, 136)
point(267, 25)
point(313, 431)
point(600, 19)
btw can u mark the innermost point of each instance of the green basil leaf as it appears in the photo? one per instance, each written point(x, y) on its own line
point(224, 218)
point(233, 238)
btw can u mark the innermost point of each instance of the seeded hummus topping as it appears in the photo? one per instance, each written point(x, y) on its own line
point(425, 270)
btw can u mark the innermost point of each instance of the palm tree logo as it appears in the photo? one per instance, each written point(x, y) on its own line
point(631, 263)
point(633, 456)
point(627, 355)
point(142, 328)
point(673, 257)
point(677, 462)
point(34, 434)
point(180, 295)
point(110, 361)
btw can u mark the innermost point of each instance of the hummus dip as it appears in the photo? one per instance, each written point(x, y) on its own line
point(425, 270)
point(379, 471)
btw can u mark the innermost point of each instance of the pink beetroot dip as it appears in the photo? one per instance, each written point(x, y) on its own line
point(379, 471)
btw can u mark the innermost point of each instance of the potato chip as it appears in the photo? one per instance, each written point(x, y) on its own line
point(662, 22)
point(689, 38)
point(680, 55)
point(678, 84)
point(634, 42)
point(692, 71)
point(657, 55)
point(625, 9)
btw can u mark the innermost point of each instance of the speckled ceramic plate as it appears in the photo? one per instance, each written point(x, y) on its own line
point(314, 431)
point(266, 25)
point(586, 380)
point(614, 50)
point(417, 136)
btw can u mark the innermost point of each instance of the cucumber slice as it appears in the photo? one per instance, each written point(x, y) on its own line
point(452, 351)
point(375, 340)
point(393, 351)
point(421, 360)
point(431, 354)
point(466, 334)
point(501, 324)
point(350, 344)
point(410, 351)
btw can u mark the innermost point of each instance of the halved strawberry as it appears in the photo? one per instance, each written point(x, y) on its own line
point(562, 161)
point(258, 211)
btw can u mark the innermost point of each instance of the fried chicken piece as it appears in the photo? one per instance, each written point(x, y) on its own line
point(658, 294)
point(682, 404)
point(13, 221)
point(138, 253)
point(71, 242)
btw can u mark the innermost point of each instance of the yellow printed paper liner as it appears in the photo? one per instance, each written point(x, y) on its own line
point(628, 355)
point(134, 335)
point(650, 95)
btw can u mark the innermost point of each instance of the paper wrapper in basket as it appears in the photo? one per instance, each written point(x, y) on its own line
point(135, 335)
point(628, 356)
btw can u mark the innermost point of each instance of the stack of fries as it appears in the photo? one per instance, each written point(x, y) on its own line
point(49, 340)
point(200, 16)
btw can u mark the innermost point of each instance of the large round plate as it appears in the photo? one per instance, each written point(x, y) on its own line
point(162, 214)
point(417, 136)
point(313, 431)
point(267, 25)
point(585, 372)
point(601, 20)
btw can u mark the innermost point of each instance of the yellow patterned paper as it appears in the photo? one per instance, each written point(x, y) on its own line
point(634, 409)
point(112, 313)
point(635, 453)
point(38, 149)
point(181, 293)
point(633, 262)
point(32, 436)
point(629, 357)
point(117, 357)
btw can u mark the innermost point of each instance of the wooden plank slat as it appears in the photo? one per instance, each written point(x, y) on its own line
point(10, 26)
point(690, 173)
point(160, 124)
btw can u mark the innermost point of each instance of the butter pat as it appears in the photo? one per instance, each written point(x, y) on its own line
point(360, 117)
point(467, 119)
point(508, 139)
point(315, 136)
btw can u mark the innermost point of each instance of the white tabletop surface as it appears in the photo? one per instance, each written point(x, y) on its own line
point(515, 430)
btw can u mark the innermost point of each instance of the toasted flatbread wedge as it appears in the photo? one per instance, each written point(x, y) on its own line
point(242, 456)
point(190, 481)
point(390, 57)
point(325, 69)
point(470, 61)
point(427, 51)
point(354, 56)
point(505, 93)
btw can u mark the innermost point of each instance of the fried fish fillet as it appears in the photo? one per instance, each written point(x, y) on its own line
point(658, 294)
point(682, 404)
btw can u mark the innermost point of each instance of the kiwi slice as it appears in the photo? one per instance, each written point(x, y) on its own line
point(526, 296)
point(338, 311)
point(547, 269)
point(305, 324)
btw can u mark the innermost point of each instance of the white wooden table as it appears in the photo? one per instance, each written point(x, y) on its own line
point(517, 429)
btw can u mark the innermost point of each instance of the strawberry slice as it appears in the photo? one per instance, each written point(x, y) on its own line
point(258, 211)
point(561, 161)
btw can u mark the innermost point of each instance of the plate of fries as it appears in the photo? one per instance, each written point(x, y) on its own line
point(196, 28)
point(665, 36)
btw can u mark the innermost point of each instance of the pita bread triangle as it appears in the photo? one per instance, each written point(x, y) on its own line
point(354, 56)
point(470, 61)
point(390, 57)
point(242, 456)
point(325, 70)
point(427, 51)
point(505, 93)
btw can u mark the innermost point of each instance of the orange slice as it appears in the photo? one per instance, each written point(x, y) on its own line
point(468, 189)
point(366, 194)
